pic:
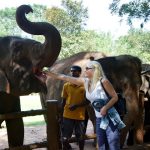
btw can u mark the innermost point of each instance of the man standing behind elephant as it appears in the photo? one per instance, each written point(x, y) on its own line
point(73, 101)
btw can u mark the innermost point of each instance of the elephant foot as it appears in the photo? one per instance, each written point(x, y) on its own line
point(139, 136)
point(123, 136)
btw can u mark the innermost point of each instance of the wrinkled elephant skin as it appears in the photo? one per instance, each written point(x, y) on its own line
point(21, 61)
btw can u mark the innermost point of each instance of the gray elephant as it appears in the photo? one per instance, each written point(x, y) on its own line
point(20, 63)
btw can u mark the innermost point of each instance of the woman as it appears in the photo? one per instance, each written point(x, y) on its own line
point(108, 122)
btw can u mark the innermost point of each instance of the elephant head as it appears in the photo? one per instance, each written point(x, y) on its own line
point(22, 59)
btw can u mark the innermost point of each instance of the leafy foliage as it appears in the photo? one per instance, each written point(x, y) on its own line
point(8, 22)
point(69, 20)
point(77, 12)
point(86, 41)
point(139, 9)
point(59, 18)
point(136, 43)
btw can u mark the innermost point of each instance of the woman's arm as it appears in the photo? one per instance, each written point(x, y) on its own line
point(77, 81)
point(112, 93)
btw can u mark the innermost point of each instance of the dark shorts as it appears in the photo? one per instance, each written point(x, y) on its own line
point(70, 125)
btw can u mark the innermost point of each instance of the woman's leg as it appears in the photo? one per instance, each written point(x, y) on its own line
point(101, 136)
point(113, 137)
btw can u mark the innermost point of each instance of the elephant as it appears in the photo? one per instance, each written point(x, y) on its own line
point(123, 71)
point(145, 89)
point(21, 61)
point(145, 93)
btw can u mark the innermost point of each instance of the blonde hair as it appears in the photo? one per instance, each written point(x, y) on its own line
point(98, 72)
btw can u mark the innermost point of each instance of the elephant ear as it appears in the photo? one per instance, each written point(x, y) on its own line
point(3, 82)
point(16, 47)
point(50, 49)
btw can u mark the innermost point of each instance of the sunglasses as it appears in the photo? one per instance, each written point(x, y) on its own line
point(87, 68)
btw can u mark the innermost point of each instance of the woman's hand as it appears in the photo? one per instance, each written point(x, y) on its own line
point(47, 72)
point(45, 69)
point(103, 111)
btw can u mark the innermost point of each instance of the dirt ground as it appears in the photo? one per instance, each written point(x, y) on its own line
point(35, 134)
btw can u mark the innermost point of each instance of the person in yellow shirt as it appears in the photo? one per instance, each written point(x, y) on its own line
point(73, 100)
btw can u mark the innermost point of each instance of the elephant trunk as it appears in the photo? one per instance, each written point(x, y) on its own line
point(50, 49)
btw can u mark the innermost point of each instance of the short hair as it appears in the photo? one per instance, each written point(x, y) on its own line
point(76, 68)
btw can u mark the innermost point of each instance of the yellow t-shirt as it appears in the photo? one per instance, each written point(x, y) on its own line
point(73, 94)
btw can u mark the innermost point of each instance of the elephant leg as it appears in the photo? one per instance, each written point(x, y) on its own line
point(128, 121)
point(147, 121)
point(131, 96)
point(130, 140)
point(15, 127)
point(139, 122)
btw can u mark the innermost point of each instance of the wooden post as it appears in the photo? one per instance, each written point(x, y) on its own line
point(52, 125)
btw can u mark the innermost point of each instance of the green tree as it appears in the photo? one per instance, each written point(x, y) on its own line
point(86, 41)
point(136, 43)
point(8, 24)
point(133, 9)
point(70, 19)
point(78, 14)
point(59, 18)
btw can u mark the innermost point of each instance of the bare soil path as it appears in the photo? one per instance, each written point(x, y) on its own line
point(38, 134)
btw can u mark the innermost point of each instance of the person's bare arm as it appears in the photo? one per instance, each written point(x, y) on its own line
point(112, 93)
point(77, 81)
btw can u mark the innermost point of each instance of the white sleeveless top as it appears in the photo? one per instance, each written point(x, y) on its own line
point(95, 94)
